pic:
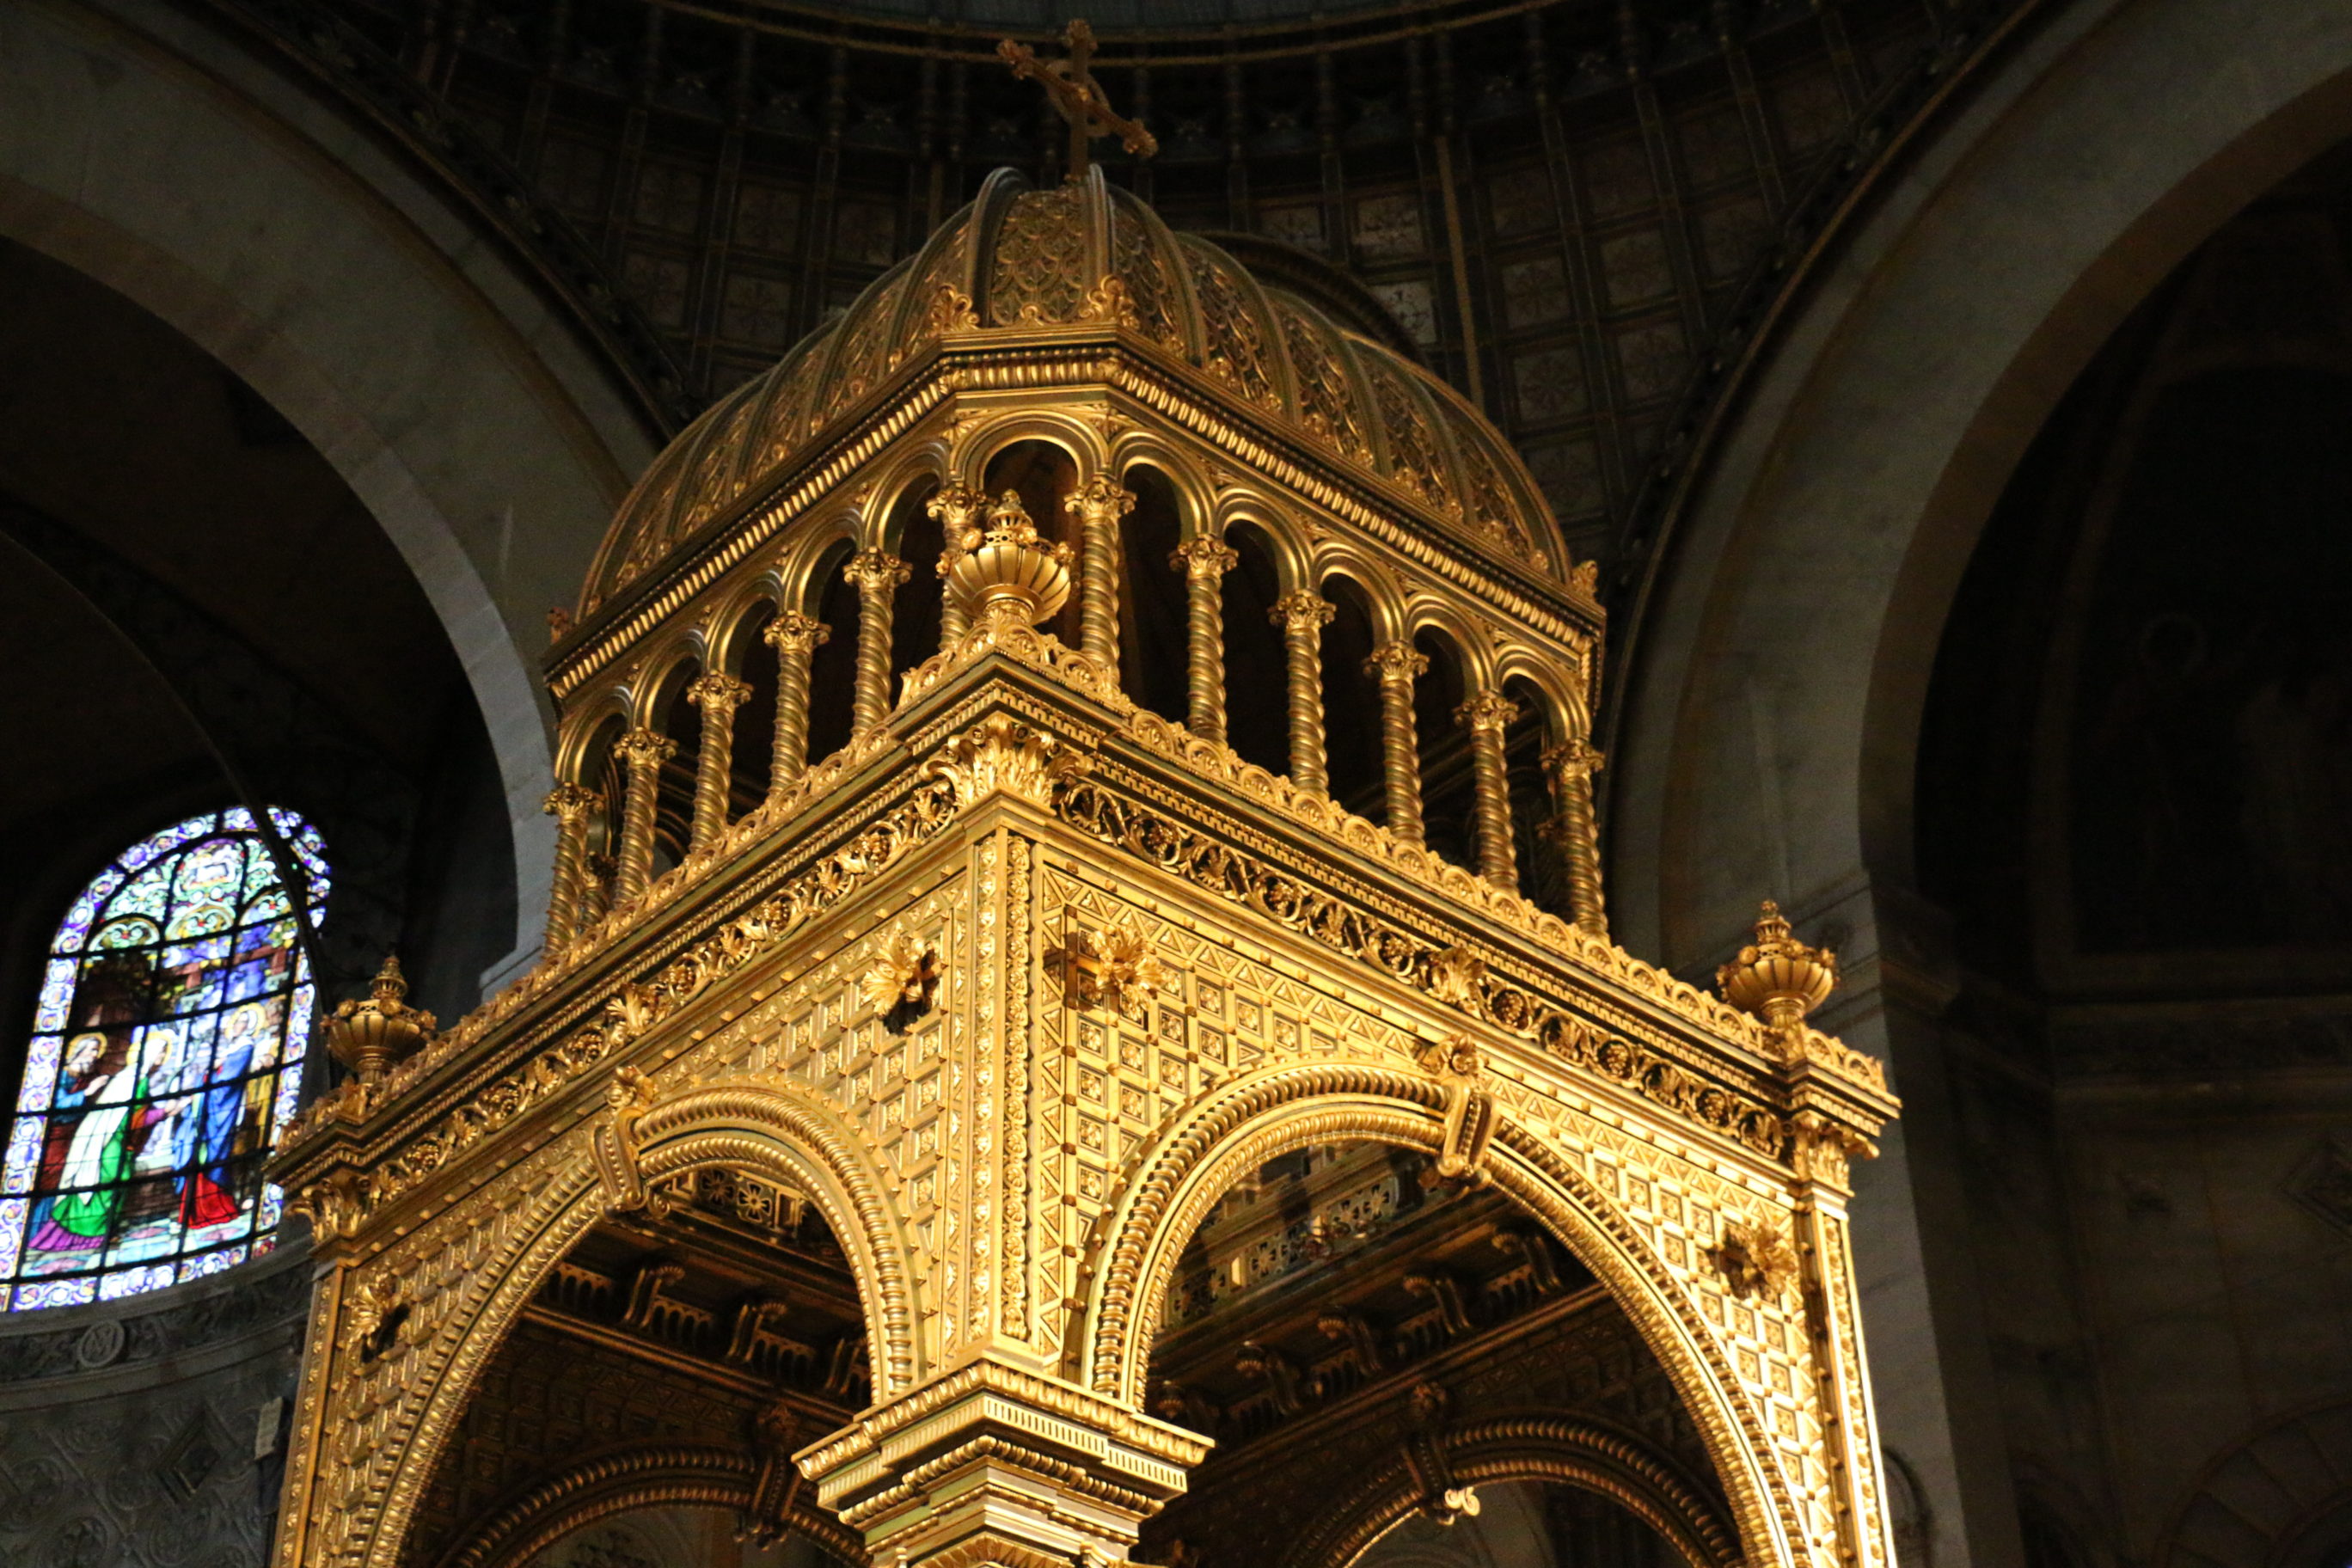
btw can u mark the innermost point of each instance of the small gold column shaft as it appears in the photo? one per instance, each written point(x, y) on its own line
point(1571, 765)
point(1487, 716)
point(957, 509)
point(794, 636)
point(572, 806)
point(876, 574)
point(1098, 504)
point(1394, 666)
point(643, 753)
point(1204, 561)
point(1302, 615)
point(718, 695)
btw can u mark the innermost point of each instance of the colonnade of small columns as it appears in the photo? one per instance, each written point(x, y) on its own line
point(1098, 507)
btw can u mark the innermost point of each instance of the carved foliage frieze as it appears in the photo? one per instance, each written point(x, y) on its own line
point(1346, 927)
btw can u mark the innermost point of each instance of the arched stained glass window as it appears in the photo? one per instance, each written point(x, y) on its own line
point(166, 1053)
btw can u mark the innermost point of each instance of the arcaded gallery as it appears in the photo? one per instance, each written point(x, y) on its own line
point(1220, 783)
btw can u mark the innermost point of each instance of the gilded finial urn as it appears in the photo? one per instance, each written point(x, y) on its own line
point(1014, 575)
point(1777, 977)
point(377, 1031)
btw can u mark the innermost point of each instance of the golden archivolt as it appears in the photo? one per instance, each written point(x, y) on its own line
point(863, 989)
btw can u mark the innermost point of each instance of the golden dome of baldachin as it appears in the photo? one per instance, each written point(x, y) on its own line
point(1020, 258)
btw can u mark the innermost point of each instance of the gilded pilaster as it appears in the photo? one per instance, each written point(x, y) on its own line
point(572, 806)
point(1204, 560)
point(643, 753)
point(1487, 715)
point(1098, 504)
point(1302, 615)
point(958, 509)
point(718, 695)
point(1394, 666)
point(794, 636)
point(1823, 1152)
point(1571, 765)
point(876, 574)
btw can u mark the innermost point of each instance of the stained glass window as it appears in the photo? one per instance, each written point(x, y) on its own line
point(166, 1053)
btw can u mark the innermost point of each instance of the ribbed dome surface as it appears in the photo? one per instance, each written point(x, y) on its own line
point(1088, 254)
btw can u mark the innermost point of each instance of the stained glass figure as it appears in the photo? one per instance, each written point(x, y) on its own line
point(166, 1053)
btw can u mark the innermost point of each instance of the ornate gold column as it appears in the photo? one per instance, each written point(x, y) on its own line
point(994, 1465)
point(1571, 765)
point(572, 806)
point(957, 509)
point(1098, 504)
point(876, 573)
point(1302, 615)
point(1487, 715)
point(1394, 664)
point(643, 753)
point(1204, 560)
point(794, 636)
point(718, 694)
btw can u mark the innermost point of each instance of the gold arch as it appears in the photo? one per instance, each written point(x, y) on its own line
point(1592, 1455)
point(1264, 1115)
point(669, 1474)
point(778, 1128)
point(774, 1128)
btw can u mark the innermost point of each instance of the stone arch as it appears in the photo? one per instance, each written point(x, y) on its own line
point(1814, 566)
point(770, 1126)
point(1766, 731)
point(2261, 1495)
point(314, 270)
point(1263, 1115)
point(633, 1477)
point(1618, 1465)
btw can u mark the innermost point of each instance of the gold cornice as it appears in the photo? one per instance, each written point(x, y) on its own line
point(1445, 909)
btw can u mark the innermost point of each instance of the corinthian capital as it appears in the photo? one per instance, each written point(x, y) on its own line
point(1574, 759)
point(874, 572)
point(716, 691)
point(1396, 663)
point(1099, 500)
point(795, 633)
point(571, 803)
point(958, 509)
point(1303, 610)
point(645, 750)
point(1489, 710)
point(1202, 556)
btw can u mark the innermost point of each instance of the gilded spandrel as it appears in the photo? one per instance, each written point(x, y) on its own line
point(891, 1117)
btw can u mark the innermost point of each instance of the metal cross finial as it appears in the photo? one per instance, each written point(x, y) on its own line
point(1077, 97)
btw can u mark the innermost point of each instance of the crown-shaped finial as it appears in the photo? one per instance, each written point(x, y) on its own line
point(370, 1034)
point(1014, 576)
point(1777, 977)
